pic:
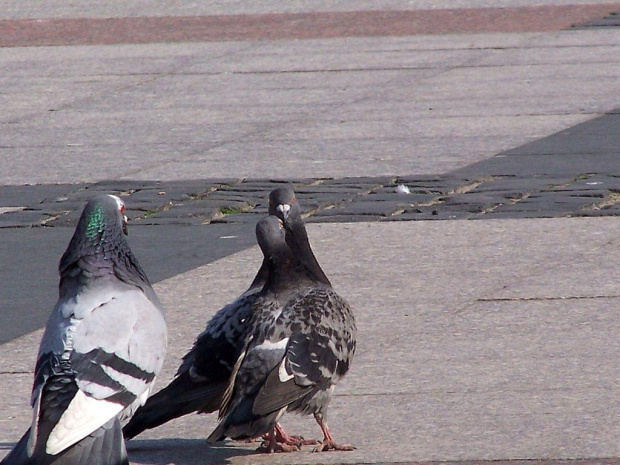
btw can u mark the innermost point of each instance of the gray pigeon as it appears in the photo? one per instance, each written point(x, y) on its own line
point(204, 374)
point(103, 345)
point(300, 344)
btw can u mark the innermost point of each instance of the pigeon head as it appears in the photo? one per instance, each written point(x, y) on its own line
point(101, 229)
point(101, 213)
point(283, 202)
point(270, 235)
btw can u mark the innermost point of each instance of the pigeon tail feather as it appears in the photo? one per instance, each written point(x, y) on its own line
point(104, 446)
point(241, 423)
point(181, 397)
point(19, 454)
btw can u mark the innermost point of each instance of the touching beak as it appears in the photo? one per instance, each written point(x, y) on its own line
point(284, 208)
point(125, 230)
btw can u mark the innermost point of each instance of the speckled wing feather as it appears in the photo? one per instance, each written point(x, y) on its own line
point(217, 347)
point(321, 342)
point(202, 378)
point(292, 362)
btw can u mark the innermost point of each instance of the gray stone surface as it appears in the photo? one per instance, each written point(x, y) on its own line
point(477, 342)
point(30, 259)
point(569, 191)
point(294, 109)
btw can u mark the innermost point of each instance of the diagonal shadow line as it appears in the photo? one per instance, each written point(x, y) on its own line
point(167, 250)
point(589, 147)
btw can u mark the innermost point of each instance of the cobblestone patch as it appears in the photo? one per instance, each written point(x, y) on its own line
point(208, 201)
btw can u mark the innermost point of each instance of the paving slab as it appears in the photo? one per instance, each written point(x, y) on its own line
point(484, 354)
point(163, 250)
point(297, 25)
point(354, 106)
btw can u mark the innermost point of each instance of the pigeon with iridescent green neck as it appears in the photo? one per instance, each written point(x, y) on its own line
point(103, 345)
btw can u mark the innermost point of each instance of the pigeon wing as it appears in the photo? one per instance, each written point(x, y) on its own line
point(318, 352)
point(216, 349)
point(111, 355)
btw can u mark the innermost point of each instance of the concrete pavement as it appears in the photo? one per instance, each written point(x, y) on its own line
point(479, 340)
point(482, 340)
point(354, 106)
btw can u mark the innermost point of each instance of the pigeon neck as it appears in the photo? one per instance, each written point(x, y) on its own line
point(286, 272)
point(261, 276)
point(297, 241)
point(101, 253)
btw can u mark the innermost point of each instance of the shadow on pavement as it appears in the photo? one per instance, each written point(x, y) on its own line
point(182, 451)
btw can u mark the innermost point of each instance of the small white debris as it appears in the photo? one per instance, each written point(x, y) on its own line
point(402, 189)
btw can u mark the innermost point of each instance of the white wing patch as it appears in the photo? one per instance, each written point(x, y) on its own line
point(283, 374)
point(83, 416)
point(136, 386)
point(139, 402)
point(268, 345)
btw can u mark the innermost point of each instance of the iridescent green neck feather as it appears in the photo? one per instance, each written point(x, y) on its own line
point(95, 223)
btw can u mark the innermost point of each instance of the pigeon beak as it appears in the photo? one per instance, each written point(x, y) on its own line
point(284, 208)
point(125, 230)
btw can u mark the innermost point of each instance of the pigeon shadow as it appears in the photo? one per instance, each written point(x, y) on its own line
point(173, 451)
point(183, 451)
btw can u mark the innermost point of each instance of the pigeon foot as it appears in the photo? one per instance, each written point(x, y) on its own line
point(267, 448)
point(328, 441)
point(283, 438)
point(271, 444)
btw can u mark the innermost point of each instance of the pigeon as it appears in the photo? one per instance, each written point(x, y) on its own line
point(102, 347)
point(300, 345)
point(202, 377)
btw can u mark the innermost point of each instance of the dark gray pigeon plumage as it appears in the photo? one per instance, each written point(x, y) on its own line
point(203, 376)
point(102, 347)
point(300, 344)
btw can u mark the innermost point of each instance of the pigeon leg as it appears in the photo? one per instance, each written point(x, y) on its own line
point(328, 441)
point(271, 445)
point(283, 438)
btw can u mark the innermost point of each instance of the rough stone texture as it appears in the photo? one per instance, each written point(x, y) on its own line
point(278, 26)
point(320, 108)
point(334, 200)
point(41, 9)
point(476, 343)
